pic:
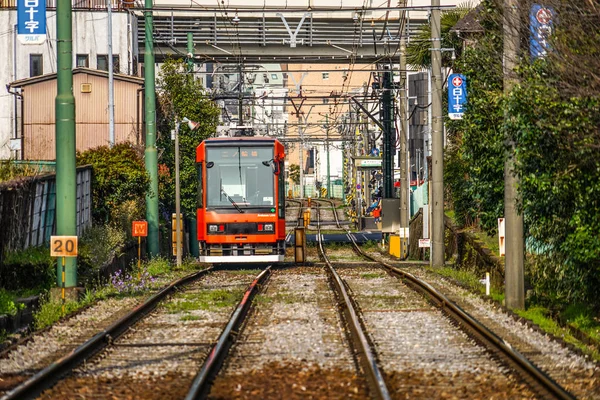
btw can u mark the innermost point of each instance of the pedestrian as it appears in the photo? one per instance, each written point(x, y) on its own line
point(377, 214)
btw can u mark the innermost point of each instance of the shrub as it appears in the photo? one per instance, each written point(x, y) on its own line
point(119, 177)
point(98, 247)
point(32, 268)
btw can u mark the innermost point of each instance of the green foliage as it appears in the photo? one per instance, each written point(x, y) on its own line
point(182, 96)
point(558, 162)
point(9, 170)
point(51, 311)
point(7, 303)
point(295, 173)
point(418, 51)
point(119, 177)
point(32, 268)
point(98, 247)
point(158, 266)
point(205, 300)
point(474, 163)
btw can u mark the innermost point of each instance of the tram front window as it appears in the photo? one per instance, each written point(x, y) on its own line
point(238, 177)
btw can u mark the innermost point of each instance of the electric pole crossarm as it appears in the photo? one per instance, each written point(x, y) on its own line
point(371, 116)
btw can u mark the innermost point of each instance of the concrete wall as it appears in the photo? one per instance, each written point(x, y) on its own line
point(89, 37)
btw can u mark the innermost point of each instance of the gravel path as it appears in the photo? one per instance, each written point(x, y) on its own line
point(293, 345)
point(423, 355)
point(162, 353)
point(577, 374)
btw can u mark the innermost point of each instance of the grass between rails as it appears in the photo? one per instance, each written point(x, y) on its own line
point(120, 286)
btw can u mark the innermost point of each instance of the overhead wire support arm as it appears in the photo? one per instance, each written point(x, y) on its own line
point(293, 35)
point(371, 116)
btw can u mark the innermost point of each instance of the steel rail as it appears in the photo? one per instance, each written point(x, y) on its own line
point(365, 354)
point(201, 384)
point(289, 234)
point(545, 384)
point(331, 203)
point(51, 374)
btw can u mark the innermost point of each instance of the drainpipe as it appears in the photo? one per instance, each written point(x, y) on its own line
point(18, 96)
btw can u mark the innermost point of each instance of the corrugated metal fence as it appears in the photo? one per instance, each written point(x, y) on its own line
point(28, 209)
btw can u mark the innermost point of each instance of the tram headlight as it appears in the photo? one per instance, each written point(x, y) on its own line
point(213, 228)
point(268, 227)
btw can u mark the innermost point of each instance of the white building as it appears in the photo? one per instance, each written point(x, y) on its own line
point(90, 49)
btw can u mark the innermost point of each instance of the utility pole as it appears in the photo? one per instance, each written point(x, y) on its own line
point(150, 152)
point(177, 197)
point(66, 173)
point(514, 285)
point(111, 96)
point(240, 97)
point(437, 140)
point(404, 191)
point(327, 151)
point(193, 223)
point(301, 131)
point(387, 118)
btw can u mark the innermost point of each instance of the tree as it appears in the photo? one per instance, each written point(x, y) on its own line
point(418, 51)
point(119, 178)
point(180, 96)
point(295, 173)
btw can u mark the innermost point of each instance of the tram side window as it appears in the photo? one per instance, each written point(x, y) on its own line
point(281, 190)
point(199, 201)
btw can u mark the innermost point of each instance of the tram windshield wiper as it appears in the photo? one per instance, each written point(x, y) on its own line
point(231, 201)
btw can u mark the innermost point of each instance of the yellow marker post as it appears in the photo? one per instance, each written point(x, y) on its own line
point(139, 229)
point(63, 285)
point(63, 246)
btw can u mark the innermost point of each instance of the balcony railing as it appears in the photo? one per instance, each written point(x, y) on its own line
point(79, 4)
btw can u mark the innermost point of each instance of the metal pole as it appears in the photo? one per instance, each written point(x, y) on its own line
point(387, 115)
point(66, 178)
point(300, 128)
point(150, 152)
point(514, 285)
point(177, 196)
point(437, 138)
point(327, 150)
point(111, 97)
point(190, 50)
point(193, 222)
point(403, 131)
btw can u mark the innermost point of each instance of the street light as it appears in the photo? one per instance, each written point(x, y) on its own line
point(193, 126)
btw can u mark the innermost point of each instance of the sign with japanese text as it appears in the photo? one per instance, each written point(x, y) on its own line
point(457, 95)
point(31, 21)
point(139, 228)
point(540, 29)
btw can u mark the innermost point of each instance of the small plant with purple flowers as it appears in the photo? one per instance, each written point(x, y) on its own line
point(129, 283)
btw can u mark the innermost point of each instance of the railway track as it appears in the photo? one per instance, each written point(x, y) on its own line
point(156, 350)
point(393, 308)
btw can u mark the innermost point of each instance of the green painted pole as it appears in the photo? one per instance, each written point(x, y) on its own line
point(66, 180)
point(151, 154)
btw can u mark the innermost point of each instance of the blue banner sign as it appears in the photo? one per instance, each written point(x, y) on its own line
point(31, 21)
point(540, 29)
point(457, 95)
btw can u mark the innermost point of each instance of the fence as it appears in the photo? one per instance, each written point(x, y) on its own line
point(337, 191)
point(28, 209)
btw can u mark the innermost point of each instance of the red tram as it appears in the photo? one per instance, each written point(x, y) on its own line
point(241, 200)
